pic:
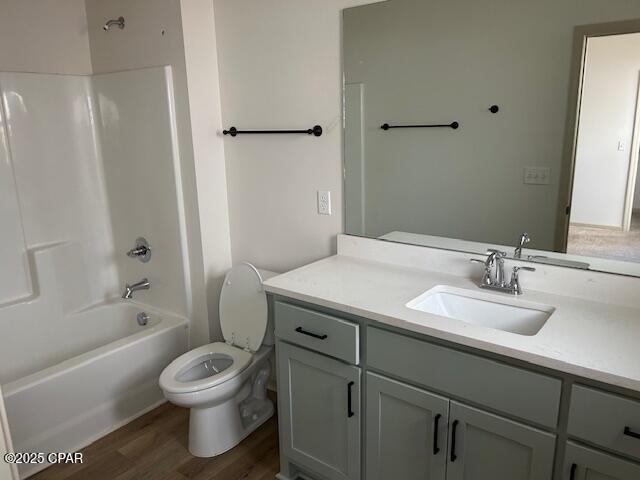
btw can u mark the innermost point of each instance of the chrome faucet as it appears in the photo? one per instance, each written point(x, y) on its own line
point(493, 277)
point(524, 239)
point(495, 259)
point(129, 289)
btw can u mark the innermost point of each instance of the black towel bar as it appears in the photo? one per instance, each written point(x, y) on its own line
point(454, 125)
point(233, 131)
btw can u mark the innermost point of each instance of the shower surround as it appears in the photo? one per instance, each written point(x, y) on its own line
point(87, 165)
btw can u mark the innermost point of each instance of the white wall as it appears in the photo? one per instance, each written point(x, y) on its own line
point(608, 109)
point(201, 60)
point(44, 36)
point(440, 61)
point(153, 37)
point(280, 68)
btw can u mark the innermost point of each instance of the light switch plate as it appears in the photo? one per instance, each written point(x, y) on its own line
point(536, 175)
point(324, 202)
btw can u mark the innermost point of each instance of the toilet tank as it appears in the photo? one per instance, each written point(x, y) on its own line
point(269, 337)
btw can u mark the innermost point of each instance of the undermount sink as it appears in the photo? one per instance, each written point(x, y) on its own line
point(479, 308)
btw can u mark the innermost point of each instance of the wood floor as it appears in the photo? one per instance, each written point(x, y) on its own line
point(154, 447)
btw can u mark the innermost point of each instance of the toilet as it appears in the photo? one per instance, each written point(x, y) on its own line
point(224, 383)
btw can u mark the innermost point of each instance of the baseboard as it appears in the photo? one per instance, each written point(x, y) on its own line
point(280, 476)
point(600, 227)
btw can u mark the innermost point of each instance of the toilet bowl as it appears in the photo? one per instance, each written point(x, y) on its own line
point(224, 383)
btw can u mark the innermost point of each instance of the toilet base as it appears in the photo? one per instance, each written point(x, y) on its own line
point(215, 430)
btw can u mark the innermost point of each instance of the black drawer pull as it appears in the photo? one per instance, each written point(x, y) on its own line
point(311, 334)
point(454, 428)
point(436, 420)
point(630, 433)
point(350, 412)
point(572, 472)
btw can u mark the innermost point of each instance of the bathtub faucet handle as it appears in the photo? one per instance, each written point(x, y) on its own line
point(142, 250)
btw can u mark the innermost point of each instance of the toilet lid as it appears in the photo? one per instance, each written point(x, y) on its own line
point(243, 308)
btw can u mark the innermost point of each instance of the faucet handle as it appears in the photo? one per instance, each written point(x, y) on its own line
point(141, 251)
point(486, 277)
point(514, 284)
point(485, 264)
point(526, 269)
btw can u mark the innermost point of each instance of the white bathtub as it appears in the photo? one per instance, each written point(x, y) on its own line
point(93, 385)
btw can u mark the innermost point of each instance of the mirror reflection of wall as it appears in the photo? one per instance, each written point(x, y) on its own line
point(497, 175)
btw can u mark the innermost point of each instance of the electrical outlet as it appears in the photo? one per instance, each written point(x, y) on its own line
point(536, 175)
point(324, 202)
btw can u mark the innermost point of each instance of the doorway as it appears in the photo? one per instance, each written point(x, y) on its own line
point(604, 219)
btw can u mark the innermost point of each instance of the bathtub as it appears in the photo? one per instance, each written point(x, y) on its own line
point(102, 372)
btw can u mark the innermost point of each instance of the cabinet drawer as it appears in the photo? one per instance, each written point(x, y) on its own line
point(589, 464)
point(524, 394)
point(318, 331)
point(602, 418)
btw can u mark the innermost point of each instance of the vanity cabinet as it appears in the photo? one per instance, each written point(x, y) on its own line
point(582, 463)
point(406, 431)
point(484, 446)
point(607, 420)
point(436, 411)
point(319, 402)
point(512, 390)
point(415, 434)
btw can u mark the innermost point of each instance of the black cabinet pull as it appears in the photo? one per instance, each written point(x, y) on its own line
point(454, 428)
point(572, 473)
point(630, 433)
point(350, 412)
point(311, 334)
point(436, 420)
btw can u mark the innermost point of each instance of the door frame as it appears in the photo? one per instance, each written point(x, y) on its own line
point(580, 36)
point(633, 166)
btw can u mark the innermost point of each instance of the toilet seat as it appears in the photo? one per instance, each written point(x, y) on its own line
point(169, 381)
point(243, 308)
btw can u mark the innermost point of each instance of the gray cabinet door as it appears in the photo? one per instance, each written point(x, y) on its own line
point(483, 446)
point(586, 464)
point(402, 441)
point(320, 428)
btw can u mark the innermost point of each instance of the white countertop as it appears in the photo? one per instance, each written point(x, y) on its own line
point(599, 341)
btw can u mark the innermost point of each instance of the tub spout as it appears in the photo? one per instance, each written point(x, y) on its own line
point(129, 289)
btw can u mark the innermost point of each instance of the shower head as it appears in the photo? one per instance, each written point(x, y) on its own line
point(119, 22)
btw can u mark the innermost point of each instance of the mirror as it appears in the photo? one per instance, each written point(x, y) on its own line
point(471, 122)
